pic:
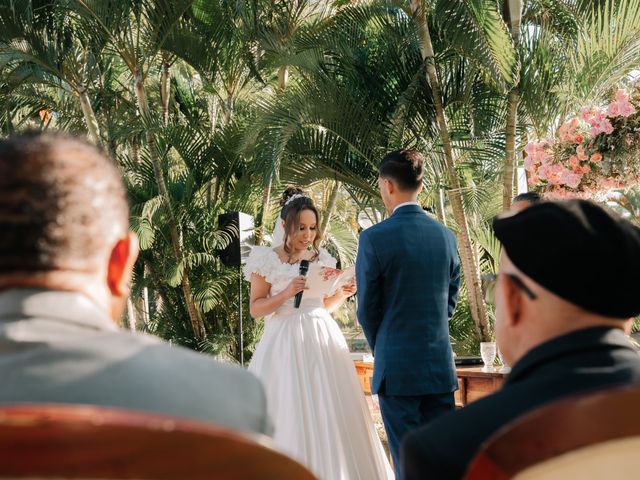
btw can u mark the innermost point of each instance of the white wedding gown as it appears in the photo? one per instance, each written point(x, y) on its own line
point(314, 397)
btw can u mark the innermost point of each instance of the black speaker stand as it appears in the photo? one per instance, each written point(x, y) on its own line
point(240, 331)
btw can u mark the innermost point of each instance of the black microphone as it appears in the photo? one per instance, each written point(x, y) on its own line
point(304, 268)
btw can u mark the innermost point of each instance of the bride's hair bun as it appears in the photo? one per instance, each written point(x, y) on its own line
point(289, 192)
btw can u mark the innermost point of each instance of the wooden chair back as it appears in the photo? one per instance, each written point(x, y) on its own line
point(74, 441)
point(594, 435)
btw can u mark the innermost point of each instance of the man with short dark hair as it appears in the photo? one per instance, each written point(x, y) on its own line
point(66, 256)
point(567, 285)
point(408, 275)
point(524, 200)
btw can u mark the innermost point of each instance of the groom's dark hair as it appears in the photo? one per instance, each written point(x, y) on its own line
point(404, 167)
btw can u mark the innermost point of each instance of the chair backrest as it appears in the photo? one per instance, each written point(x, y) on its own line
point(594, 435)
point(76, 441)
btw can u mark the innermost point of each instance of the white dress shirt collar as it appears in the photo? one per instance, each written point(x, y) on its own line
point(404, 204)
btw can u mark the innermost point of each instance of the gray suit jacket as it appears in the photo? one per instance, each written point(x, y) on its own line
point(59, 347)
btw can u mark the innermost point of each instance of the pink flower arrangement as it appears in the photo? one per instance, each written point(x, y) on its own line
point(593, 152)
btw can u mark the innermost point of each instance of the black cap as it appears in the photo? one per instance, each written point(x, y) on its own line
point(579, 250)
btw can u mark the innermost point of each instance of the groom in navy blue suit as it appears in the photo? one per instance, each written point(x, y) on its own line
point(408, 275)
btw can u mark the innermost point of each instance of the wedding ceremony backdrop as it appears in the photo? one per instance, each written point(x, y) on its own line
point(214, 106)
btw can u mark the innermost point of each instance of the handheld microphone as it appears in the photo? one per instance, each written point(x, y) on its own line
point(304, 268)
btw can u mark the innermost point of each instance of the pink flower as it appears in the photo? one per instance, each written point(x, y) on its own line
point(587, 113)
point(566, 133)
point(581, 153)
point(555, 173)
point(546, 172)
point(534, 180)
point(601, 126)
point(573, 161)
point(545, 157)
point(607, 127)
point(529, 163)
point(530, 148)
point(570, 179)
point(586, 169)
point(622, 95)
point(579, 138)
point(621, 107)
point(613, 109)
point(627, 109)
point(574, 180)
point(596, 157)
point(534, 151)
point(609, 182)
point(574, 122)
point(536, 154)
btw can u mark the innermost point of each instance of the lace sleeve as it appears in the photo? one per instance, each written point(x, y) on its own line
point(325, 259)
point(260, 262)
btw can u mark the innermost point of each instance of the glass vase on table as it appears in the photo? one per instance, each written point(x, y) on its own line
point(488, 354)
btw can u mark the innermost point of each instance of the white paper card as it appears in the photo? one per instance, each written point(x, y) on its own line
point(324, 281)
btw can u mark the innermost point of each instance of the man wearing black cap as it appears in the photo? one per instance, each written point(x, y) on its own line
point(568, 281)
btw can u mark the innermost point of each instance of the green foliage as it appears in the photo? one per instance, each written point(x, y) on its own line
point(233, 122)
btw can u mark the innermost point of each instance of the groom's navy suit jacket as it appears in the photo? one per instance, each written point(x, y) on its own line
point(408, 275)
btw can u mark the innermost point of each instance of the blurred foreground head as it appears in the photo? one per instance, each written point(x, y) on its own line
point(566, 265)
point(64, 219)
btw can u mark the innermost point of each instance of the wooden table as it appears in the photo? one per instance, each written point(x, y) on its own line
point(474, 384)
point(365, 372)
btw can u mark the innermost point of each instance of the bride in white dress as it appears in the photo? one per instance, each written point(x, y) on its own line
point(313, 394)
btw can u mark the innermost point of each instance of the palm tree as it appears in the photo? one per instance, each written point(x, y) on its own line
point(137, 31)
point(40, 46)
point(487, 36)
point(339, 121)
point(606, 50)
point(281, 30)
point(512, 14)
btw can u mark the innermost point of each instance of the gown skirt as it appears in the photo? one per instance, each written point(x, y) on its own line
point(314, 397)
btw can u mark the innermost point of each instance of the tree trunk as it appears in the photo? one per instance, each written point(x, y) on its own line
point(264, 212)
point(512, 15)
point(131, 316)
point(229, 105)
point(333, 199)
point(468, 254)
point(89, 116)
point(135, 151)
point(212, 110)
point(510, 149)
point(165, 89)
point(211, 189)
point(376, 217)
point(194, 315)
point(442, 213)
point(283, 78)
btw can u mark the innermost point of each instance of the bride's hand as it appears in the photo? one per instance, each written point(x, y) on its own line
point(348, 290)
point(296, 286)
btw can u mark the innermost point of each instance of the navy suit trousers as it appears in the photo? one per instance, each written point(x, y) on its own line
point(403, 414)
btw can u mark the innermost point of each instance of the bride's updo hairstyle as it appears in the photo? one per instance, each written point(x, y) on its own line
point(294, 200)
